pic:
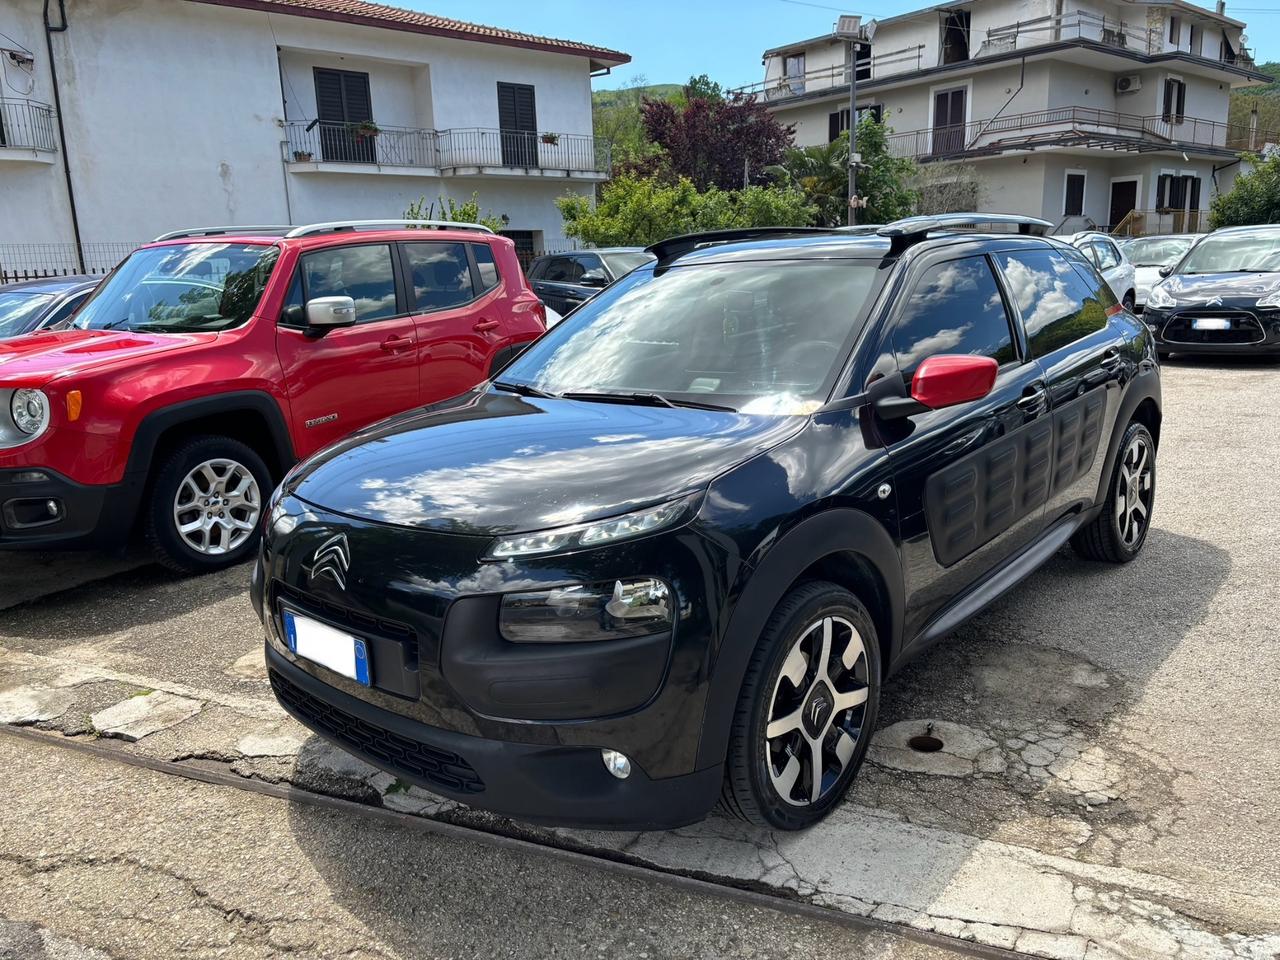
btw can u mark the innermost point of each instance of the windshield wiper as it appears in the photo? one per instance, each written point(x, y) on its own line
point(643, 399)
point(524, 389)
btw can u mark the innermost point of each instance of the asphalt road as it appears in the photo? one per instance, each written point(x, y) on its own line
point(1110, 781)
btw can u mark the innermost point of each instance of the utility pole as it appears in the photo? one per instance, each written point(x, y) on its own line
point(854, 33)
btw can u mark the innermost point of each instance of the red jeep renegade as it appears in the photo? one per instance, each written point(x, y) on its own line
point(209, 361)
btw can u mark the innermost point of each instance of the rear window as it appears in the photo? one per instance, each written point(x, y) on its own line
point(440, 274)
point(486, 266)
point(181, 288)
point(759, 336)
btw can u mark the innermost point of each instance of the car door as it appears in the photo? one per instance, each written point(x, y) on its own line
point(971, 480)
point(341, 379)
point(459, 331)
point(1066, 309)
point(594, 277)
point(555, 286)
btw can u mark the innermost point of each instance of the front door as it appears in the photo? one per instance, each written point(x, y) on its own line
point(329, 377)
point(972, 479)
point(948, 121)
point(518, 125)
point(1124, 199)
point(557, 281)
point(1066, 308)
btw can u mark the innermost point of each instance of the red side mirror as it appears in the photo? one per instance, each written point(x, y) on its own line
point(947, 379)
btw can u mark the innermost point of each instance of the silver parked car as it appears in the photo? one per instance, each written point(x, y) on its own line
point(1149, 254)
point(1111, 262)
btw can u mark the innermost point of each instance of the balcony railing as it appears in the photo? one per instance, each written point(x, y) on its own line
point(28, 124)
point(906, 60)
point(324, 142)
point(1077, 126)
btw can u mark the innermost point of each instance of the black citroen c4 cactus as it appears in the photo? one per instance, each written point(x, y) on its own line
point(668, 556)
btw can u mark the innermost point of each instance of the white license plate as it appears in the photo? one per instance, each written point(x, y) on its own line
point(320, 643)
point(1210, 323)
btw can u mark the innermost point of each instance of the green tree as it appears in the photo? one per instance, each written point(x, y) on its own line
point(822, 174)
point(617, 119)
point(454, 212)
point(1254, 198)
point(702, 87)
point(643, 210)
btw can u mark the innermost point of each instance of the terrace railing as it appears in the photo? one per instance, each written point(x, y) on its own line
point(28, 124)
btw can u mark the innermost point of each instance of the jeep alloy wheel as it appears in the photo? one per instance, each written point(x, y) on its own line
point(217, 507)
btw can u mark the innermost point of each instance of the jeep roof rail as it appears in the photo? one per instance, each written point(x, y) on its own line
point(221, 231)
point(339, 226)
point(675, 246)
point(909, 231)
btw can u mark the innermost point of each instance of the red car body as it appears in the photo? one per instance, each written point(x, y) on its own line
point(119, 399)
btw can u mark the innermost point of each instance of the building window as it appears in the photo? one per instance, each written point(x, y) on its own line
point(342, 102)
point(1073, 196)
point(1175, 101)
point(838, 120)
point(955, 37)
point(1175, 30)
point(861, 58)
point(1174, 193)
point(518, 124)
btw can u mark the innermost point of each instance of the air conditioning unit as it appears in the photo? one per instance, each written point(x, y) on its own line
point(1130, 83)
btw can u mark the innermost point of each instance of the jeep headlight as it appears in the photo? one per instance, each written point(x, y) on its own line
point(580, 612)
point(596, 534)
point(30, 410)
point(1160, 298)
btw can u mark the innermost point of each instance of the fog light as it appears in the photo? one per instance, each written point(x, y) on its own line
point(30, 476)
point(616, 763)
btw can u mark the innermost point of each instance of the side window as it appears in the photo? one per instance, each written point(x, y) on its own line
point(486, 265)
point(440, 274)
point(1056, 303)
point(589, 261)
point(955, 307)
point(362, 273)
point(562, 270)
point(1107, 256)
point(65, 311)
point(537, 269)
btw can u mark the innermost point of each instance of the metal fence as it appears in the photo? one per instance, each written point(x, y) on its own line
point(27, 123)
point(32, 261)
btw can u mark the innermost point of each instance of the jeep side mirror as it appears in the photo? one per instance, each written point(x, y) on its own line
point(324, 313)
point(1165, 271)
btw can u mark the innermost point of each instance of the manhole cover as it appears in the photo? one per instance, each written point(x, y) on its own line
point(925, 743)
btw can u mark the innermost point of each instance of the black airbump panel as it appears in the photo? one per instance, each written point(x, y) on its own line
point(979, 497)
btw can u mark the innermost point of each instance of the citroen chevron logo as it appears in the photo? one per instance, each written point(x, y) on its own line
point(1213, 301)
point(332, 559)
point(817, 707)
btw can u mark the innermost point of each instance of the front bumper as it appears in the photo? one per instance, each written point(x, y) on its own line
point(555, 785)
point(1251, 332)
point(529, 719)
point(58, 513)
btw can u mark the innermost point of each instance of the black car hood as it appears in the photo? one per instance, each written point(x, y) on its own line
point(493, 463)
point(1234, 289)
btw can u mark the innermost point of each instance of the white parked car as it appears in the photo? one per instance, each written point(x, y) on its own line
point(1111, 262)
point(1149, 254)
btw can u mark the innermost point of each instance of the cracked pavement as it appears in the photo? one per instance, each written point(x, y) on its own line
point(1108, 785)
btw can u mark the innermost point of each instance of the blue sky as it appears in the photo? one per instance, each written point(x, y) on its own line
point(670, 40)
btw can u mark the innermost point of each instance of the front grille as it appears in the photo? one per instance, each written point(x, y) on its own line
point(398, 754)
point(356, 621)
point(1245, 328)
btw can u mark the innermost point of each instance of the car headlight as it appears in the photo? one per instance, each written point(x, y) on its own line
point(1160, 298)
point(562, 539)
point(30, 410)
point(1271, 299)
point(587, 611)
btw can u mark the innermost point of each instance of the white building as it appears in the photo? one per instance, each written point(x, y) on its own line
point(1113, 113)
point(133, 117)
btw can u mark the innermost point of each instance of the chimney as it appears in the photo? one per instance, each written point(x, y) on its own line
point(1221, 7)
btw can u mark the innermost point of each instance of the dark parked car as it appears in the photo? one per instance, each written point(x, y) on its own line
point(670, 555)
point(564, 280)
point(1223, 296)
point(31, 305)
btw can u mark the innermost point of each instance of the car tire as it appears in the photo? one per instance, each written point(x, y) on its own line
point(769, 781)
point(222, 479)
point(1117, 534)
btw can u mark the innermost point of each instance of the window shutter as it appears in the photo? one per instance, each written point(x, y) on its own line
point(1182, 100)
point(329, 105)
point(1162, 191)
point(833, 126)
point(355, 94)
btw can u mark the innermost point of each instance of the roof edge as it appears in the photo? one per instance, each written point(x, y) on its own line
point(601, 55)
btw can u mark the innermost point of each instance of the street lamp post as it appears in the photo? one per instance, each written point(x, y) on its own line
point(853, 32)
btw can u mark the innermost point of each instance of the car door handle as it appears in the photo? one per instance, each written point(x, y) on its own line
point(1112, 359)
point(1034, 399)
point(394, 344)
point(485, 325)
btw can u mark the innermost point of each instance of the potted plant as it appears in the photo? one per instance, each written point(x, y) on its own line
point(365, 130)
point(551, 139)
point(302, 156)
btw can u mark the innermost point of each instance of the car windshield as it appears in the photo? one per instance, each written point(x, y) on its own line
point(756, 336)
point(181, 288)
point(19, 309)
point(1157, 251)
point(623, 263)
point(1235, 253)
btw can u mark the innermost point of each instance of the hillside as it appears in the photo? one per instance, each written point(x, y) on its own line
point(1266, 100)
point(655, 91)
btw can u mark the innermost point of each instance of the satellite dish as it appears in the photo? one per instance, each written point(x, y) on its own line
point(1244, 38)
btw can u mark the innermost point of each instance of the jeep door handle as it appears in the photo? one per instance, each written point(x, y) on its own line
point(394, 344)
point(484, 326)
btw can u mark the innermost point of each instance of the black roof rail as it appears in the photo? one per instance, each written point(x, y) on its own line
point(909, 231)
point(673, 247)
